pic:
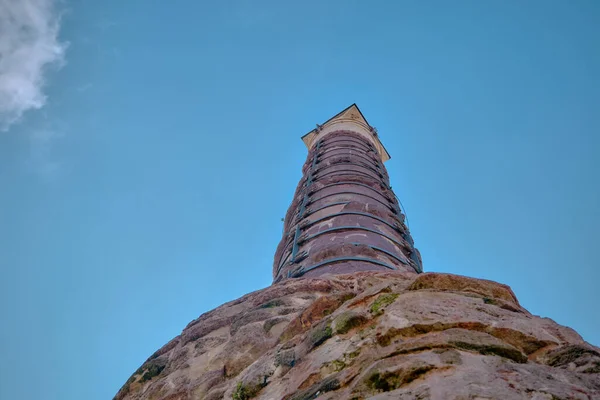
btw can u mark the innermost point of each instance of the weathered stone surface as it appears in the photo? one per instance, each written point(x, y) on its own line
point(464, 284)
point(372, 335)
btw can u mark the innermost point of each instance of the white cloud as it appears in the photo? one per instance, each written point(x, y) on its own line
point(29, 44)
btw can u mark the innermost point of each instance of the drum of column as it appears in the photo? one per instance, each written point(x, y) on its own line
point(344, 216)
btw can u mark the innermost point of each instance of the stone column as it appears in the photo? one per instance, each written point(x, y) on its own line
point(344, 216)
point(387, 333)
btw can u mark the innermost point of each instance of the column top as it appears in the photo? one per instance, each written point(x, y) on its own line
point(349, 119)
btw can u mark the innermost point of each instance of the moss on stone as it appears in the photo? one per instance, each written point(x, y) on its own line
point(415, 373)
point(270, 323)
point(348, 320)
point(354, 354)
point(388, 381)
point(382, 302)
point(333, 366)
point(379, 382)
point(153, 370)
point(502, 351)
point(327, 385)
point(272, 303)
point(347, 296)
point(338, 365)
point(595, 369)
point(245, 392)
point(319, 334)
point(569, 354)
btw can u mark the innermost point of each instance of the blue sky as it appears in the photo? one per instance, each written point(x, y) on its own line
point(155, 146)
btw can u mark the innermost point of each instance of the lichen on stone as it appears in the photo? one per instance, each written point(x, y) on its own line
point(333, 366)
point(270, 323)
point(348, 320)
point(502, 351)
point(582, 358)
point(245, 392)
point(319, 334)
point(272, 303)
point(381, 302)
point(390, 380)
point(326, 385)
point(153, 370)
